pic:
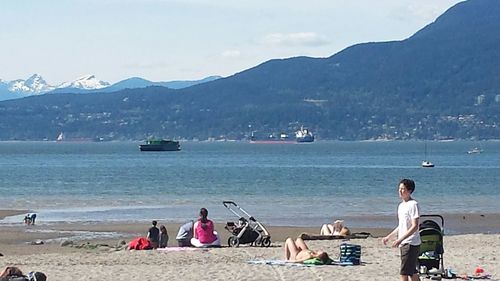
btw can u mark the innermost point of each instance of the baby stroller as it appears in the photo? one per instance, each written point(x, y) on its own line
point(430, 258)
point(246, 230)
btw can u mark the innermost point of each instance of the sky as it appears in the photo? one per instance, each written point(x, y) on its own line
point(165, 40)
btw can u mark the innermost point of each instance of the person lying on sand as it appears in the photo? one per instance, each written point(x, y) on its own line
point(337, 228)
point(297, 251)
point(10, 272)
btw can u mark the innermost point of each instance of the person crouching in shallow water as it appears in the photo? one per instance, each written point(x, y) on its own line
point(27, 219)
point(204, 234)
point(337, 229)
point(408, 237)
point(297, 251)
point(33, 218)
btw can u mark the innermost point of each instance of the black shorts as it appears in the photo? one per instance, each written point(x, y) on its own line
point(409, 258)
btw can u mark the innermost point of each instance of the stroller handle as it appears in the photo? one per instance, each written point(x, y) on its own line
point(434, 216)
point(226, 203)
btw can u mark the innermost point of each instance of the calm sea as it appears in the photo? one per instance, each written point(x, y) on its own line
point(279, 184)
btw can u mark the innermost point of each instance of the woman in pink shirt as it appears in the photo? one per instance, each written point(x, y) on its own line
point(204, 234)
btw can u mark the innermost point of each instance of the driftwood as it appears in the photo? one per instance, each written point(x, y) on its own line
point(357, 235)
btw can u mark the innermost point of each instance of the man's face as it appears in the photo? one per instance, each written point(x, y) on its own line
point(403, 192)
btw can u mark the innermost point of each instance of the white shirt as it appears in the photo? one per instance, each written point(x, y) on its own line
point(406, 212)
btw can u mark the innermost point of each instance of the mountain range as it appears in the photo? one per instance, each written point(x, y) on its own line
point(441, 83)
point(36, 85)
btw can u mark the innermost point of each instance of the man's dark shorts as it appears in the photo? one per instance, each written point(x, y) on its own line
point(409, 256)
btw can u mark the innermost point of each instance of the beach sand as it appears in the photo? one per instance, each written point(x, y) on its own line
point(463, 253)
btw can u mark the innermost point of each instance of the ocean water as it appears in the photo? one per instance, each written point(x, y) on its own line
point(279, 184)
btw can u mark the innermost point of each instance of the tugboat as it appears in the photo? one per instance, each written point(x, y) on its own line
point(304, 135)
point(160, 145)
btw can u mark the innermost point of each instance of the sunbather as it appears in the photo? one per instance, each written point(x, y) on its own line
point(297, 251)
point(337, 228)
point(10, 272)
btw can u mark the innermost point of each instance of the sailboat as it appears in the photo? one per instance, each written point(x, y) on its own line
point(60, 137)
point(426, 163)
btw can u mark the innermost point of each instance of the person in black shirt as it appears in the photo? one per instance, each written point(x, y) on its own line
point(154, 235)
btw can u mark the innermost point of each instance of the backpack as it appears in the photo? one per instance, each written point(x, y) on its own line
point(350, 253)
point(36, 276)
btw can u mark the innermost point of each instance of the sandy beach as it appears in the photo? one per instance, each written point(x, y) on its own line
point(104, 258)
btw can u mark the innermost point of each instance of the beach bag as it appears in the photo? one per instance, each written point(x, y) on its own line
point(37, 276)
point(350, 253)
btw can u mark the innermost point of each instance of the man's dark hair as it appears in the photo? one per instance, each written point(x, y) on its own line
point(409, 184)
point(154, 223)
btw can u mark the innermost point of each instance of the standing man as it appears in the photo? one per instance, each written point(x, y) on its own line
point(408, 237)
point(154, 235)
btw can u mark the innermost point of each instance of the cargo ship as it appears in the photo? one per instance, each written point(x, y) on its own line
point(160, 145)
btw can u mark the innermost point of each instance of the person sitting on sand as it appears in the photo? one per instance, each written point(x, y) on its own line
point(204, 234)
point(163, 237)
point(297, 251)
point(337, 229)
point(185, 234)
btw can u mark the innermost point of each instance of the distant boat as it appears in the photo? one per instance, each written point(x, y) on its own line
point(160, 145)
point(426, 163)
point(60, 137)
point(475, 150)
point(304, 135)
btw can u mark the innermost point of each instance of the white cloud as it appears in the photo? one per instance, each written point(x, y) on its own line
point(231, 53)
point(424, 10)
point(295, 39)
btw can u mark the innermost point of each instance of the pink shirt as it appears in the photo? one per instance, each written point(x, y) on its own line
point(205, 236)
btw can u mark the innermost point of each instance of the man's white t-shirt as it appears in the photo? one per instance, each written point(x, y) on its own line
point(406, 212)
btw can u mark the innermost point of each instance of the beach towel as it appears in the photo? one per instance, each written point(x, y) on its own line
point(306, 264)
point(180, 249)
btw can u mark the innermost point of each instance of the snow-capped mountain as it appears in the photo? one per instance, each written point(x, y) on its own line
point(36, 85)
point(33, 85)
point(87, 82)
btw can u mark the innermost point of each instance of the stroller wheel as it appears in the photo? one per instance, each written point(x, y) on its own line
point(258, 243)
point(266, 242)
point(233, 241)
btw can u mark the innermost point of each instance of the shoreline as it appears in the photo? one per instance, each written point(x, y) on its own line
point(19, 239)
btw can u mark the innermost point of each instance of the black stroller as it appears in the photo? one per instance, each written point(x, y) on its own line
point(431, 249)
point(246, 230)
